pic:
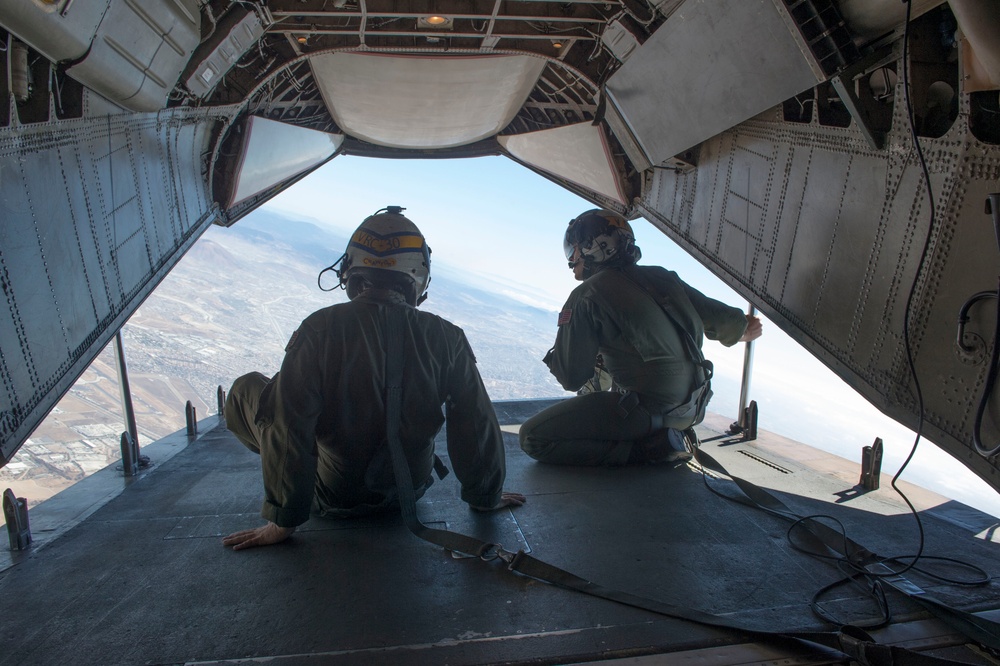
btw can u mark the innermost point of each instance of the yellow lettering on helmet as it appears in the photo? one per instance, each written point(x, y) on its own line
point(382, 245)
point(376, 262)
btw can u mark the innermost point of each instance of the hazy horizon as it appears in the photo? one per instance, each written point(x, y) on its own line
point(798, 396)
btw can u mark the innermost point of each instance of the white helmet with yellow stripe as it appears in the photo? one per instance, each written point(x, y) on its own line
point(388, 242)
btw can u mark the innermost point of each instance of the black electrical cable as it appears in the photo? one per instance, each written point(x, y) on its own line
point(982, 576)
point(913, 286)
point(855, 573)
point(873, 578)
point(991, 376)
point(874, 589)
point(963, 318)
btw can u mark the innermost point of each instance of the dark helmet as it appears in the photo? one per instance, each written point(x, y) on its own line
point(603, 237)
point(387, 251)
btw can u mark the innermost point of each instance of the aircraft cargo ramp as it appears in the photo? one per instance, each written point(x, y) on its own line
point(133, 572)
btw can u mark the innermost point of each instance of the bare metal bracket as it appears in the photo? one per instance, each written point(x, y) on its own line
point(747, 425)
point(871, 465)
point(993, 210)
point(861, 109)
point(130, 455)
point(192, 419)
point(854, 105)
point(750, 422)
point(132, 460)
point(15, 512)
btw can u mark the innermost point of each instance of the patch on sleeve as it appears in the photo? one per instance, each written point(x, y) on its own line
point(564, 316)
point(292, 341)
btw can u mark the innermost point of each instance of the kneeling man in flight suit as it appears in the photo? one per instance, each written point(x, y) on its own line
point(645, 327)
point(319, 425)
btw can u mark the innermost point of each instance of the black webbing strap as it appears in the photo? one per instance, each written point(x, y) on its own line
point(980, 629)
point(401, 469)
point(851, 641)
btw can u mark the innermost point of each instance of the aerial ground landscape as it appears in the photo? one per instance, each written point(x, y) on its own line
point(229, 308)
point(233, 301)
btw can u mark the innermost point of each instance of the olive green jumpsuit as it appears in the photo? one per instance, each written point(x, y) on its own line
point(319, 425)
point(643, 351)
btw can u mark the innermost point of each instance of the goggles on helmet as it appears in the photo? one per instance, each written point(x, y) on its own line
point(600, 235)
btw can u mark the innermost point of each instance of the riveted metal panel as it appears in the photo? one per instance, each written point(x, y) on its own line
point(154, 194)
point(60, 33)
point(95, 213)
point(139, 50)
point(717, 51)
point(825, 234)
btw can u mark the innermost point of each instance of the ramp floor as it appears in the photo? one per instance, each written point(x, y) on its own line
point(144, 579)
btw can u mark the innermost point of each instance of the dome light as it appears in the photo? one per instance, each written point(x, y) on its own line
point(435, 21)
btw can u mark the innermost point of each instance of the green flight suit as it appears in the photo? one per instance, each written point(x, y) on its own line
point(319, 424)
point(642, 349)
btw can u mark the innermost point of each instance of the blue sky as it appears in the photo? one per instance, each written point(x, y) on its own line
point(492, 218)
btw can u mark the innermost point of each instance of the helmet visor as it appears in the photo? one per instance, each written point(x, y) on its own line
point(569, 248)
point(583, 229)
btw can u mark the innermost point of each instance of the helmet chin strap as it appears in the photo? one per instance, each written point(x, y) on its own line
point(588, 266)
point(588, 263)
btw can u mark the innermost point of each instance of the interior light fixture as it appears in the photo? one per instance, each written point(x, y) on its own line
point(557, 43)
point(435, 21)
point(302, 39)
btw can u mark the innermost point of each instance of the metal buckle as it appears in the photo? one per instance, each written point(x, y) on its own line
point(496, 552)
